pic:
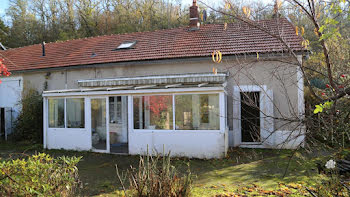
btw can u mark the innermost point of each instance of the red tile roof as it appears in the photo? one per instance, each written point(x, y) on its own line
point(238, 38)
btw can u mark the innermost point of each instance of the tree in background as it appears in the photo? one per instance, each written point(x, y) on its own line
point(34, 21)
point(4, 31)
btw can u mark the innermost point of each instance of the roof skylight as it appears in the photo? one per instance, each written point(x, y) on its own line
point(126, 45)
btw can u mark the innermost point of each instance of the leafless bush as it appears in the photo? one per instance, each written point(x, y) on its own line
point(155, 176)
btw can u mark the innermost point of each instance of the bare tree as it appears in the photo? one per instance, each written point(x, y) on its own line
point(334, 72)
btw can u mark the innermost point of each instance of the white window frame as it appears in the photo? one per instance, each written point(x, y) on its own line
point(46, 108)
point(222, 109)
point(65, 111)
point(108, 147)
point(156, 94)
point(266, 123)
point(130, 93)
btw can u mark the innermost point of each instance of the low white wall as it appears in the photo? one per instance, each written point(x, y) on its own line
point(278, 140)
point(290, 139)
point(192, 144)
point(69, 139)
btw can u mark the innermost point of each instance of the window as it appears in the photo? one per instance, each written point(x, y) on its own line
point(75, 113)
point(98, 124)
point(192, 112)
point(153, 112)
point(115, 110)
point(197, 112)
point(126, 45)
point(56, 113)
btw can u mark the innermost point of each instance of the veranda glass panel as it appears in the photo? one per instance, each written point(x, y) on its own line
point(197, 112)
point(56, 113)
point(75, 113)
point(98, 124)
point(153, 112)
point(118, 124)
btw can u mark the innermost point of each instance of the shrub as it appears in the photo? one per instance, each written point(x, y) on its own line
point(156, 177)
point(333, 186)
point(335, 182)
point(29, 124)
point(39, 175)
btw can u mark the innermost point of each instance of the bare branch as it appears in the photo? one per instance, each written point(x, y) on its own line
point(256, 25)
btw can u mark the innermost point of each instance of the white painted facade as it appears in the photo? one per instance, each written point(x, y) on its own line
point(180, 143)
point(10, 96)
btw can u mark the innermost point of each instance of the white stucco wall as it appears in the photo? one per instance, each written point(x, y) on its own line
point(68, 139)
point(10, 96)
point(252, 72)
point(197, 144)
point(289, 139)
point(11, 92)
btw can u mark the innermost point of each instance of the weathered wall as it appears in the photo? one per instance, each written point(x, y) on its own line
point(277, 76)
point(10, 96)
point(11, 91)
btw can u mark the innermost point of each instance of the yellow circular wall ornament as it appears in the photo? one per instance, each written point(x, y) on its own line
point(216, 56)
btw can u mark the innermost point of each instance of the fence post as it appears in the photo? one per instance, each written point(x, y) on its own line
point(8, 121)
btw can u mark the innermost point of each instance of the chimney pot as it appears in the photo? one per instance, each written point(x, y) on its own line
point(43, 48)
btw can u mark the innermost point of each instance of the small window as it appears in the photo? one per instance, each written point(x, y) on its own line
point(126, 45)
point(75, 113)
point(56, 113)
point(153, 112)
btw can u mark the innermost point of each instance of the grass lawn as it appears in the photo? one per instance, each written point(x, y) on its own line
point(242, 167)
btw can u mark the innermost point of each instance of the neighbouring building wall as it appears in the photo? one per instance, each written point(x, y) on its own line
point(10, 96)
point(280, 78)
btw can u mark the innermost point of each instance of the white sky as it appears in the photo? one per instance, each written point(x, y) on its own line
point(217, 2)
point(3, 6)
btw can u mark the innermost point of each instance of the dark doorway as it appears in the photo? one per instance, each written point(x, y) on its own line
point(2, 123)
point(250, 116)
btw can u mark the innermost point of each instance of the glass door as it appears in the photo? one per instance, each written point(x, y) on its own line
point(99, 124)
point(118, 124)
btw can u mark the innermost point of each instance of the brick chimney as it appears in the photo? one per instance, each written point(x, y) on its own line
point(194, 16)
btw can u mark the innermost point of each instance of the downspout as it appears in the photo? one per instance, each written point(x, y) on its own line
point(44, 124)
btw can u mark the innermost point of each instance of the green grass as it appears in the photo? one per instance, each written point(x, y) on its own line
point(242, 167)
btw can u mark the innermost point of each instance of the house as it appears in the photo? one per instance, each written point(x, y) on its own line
point(162, 91)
